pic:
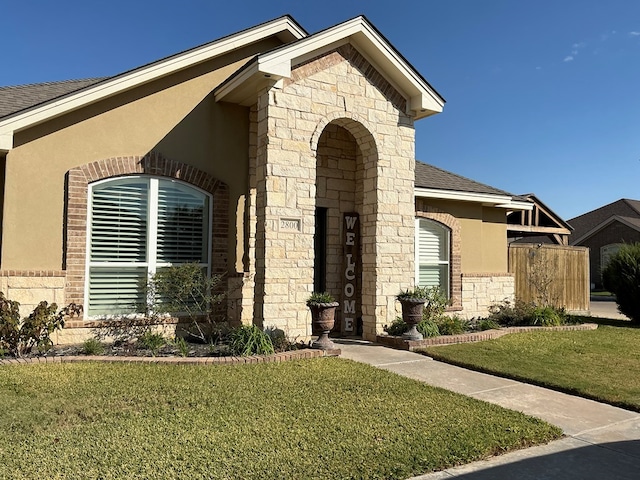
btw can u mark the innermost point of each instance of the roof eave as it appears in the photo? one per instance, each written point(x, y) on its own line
point(128, 80)
point(423, 100)
point(485, 199)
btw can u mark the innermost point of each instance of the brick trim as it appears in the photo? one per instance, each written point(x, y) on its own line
point(488, 275)
point(402, 344)
point(77, 187)
point(274, 358)
point(32, 273)
point(455, 260)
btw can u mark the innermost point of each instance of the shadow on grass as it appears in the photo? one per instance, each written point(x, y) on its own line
point(612, 322)
point(619, 460)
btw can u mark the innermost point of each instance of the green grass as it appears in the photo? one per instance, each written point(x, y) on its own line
point(601, 364)
point(323, 418)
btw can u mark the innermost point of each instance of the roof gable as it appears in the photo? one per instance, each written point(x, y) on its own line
point(631, 222)
point(284, 28)
point(277, 64)
point(588, 221)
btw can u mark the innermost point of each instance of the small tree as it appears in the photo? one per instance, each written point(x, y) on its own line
point(185, 290)
point(621, 277)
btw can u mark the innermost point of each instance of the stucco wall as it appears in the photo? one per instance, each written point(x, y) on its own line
point(483, 232)
point(175, 116)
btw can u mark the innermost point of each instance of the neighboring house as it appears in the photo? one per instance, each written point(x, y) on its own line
point(281, 159)
point(603, 230)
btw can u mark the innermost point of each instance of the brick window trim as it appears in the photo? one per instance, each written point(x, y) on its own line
point(455, 263)
point(77, 188)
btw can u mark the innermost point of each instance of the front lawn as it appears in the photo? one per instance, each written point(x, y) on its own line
point(602, 364)
point(324, 418)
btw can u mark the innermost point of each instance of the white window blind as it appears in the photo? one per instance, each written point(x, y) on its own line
point(432, 254)
point(137, 225)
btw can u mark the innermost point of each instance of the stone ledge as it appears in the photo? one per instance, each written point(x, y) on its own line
point(401, 344)
point(277, 357)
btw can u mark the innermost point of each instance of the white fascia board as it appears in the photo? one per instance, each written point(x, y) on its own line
point(421, 96)
point(143, 75)
point(500, 201)
point(6, 141)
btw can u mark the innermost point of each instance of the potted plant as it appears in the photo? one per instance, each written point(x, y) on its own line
point(412, 302)
point(323, 314)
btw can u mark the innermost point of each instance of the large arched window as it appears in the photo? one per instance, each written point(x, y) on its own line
point(136, 225)
point(432, 255)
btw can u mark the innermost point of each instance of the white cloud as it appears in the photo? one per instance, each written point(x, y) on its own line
point(634, 34)
point(568, 58)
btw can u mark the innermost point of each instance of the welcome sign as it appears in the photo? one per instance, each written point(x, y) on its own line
point(350, 305)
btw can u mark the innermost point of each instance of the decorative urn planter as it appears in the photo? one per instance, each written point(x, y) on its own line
point(323, 314)
point(412, 307)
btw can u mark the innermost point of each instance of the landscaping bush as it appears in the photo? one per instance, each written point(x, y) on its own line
point(521, 313)
point(152, 342)
point(453, 325)
point(92, 346)
point(249, 340)
point(19, 336)
point(621, 276)
point(426, 327)
point(185, 290)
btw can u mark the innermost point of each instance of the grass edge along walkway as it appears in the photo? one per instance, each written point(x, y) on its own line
point(316, 418)
point(596, 364)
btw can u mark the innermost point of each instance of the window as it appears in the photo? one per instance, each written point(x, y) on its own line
point(137, 225)
point(432, 254)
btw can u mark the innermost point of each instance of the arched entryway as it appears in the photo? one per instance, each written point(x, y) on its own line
point(345, 154)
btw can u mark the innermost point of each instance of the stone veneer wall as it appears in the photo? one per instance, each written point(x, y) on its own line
point(342, 88)
point(481, 290)
point(30, 287)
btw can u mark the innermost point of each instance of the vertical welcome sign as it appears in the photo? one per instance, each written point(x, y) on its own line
point(350, 305)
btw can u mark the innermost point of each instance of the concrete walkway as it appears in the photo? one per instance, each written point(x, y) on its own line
point(602, 442)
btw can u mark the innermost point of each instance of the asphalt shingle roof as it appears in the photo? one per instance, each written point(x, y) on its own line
point(16, 98)
point(625, 208)
point(428, 176)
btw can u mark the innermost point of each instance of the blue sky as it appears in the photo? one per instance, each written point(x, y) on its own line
point(542, 96)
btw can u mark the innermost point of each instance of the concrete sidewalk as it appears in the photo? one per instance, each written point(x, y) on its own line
point(603, 442)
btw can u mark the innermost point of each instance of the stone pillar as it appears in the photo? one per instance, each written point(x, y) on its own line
point(285, 204)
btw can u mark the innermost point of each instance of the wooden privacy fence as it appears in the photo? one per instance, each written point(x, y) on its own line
point(553, 274)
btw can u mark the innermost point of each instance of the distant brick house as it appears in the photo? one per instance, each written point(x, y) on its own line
point(282, 160)
point(603, 230)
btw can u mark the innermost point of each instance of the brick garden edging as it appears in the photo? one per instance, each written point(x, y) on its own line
point(277, 358)
point(399, 343)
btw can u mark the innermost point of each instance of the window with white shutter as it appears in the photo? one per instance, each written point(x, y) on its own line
point(432, 254)
point(135, 226)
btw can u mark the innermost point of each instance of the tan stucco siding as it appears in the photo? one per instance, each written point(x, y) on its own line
point(175, 116)
point(483, 234)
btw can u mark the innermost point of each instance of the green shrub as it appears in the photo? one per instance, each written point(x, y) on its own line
point(92, 346)
point(152, 341)
point(453, 325)
point(249, 340)
point(397, 327)
point(317, 298)
point(185, 290)
point(621, 276)
point(182, 346)
point(428, 328)
point(436, 303)
point(487, 324)
point(525, 314)
point(547, 316)
point(20, 336)
point(280, 341)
